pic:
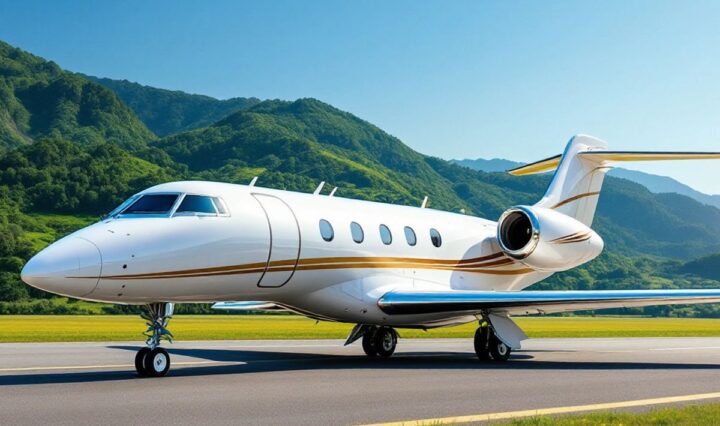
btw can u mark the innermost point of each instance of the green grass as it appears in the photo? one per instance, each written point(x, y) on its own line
point(694, 415)
point(73, 328)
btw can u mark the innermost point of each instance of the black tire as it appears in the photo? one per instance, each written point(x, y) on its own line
point(385, 342)
point(368, 344)
point(140, 361)
point(499, 351)
point(157, 362)
point(482, 335)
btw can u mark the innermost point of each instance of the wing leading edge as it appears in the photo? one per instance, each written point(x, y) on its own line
point(532, 302)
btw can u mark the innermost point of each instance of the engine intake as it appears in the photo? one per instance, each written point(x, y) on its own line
point(545, 239)
point(519, 232)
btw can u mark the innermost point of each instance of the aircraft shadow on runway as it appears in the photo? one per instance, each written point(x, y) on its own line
point(254, 361)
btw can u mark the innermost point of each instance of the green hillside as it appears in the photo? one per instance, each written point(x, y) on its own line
point(38, 99)
point(73, 150)
point(706, 267)
point(171, 111)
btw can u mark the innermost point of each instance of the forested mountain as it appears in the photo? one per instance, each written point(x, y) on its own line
point(706, 267)
point(171, 111)
point(38, 99)
point(664, 184)
point(64, 166)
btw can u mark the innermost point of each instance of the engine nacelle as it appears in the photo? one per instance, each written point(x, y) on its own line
point(546, 240)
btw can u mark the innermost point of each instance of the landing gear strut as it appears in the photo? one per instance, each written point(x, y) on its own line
point(379, 341)
point(152, 360)
point(488, 346)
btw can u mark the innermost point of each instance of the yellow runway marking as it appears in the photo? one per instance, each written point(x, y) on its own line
point(95, 367)
point(556, 410)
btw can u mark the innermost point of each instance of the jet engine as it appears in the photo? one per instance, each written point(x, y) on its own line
point(546, 240)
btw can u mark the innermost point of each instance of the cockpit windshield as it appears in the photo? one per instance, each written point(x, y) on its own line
point(162, 204)
point(152, 204)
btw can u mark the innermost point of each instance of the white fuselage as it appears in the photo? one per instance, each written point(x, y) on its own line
point(269, 247)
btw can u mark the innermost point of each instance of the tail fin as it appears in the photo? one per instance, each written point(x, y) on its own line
point(580, 172)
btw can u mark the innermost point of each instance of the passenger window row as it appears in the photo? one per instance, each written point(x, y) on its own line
point(358, 235)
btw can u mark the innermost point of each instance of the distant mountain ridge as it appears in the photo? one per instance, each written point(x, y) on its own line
point(655, 183)
point(170, 111)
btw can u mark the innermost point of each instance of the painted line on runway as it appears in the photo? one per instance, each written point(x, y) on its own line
point(95, 367)
point(556, 410)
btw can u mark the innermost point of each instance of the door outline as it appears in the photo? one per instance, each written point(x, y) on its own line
point(256, 196)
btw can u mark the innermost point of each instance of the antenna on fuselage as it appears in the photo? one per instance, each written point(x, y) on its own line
point(319, 188)
point(424, 203)
point(252, 182)
point(332, 192)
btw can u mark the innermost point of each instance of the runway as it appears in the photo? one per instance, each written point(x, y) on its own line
point(321, 382)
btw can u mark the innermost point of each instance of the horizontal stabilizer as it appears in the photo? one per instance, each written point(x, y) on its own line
point(542, 166)
point(246, 306)
point(550, 164)
point(532, 302)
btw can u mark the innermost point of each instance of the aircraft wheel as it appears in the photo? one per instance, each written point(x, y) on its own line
point(499, 351)
point(157, 362)
point(368, 344)
point(140, 361)
point(385, 342)
point(482, 335)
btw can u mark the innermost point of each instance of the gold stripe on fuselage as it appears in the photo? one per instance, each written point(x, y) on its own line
point(484, 264)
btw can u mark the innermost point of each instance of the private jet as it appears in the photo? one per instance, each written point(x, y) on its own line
point(378, 266)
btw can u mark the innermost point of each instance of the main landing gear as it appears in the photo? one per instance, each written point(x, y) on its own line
point(152, 360)
point(379, 341)
point(488, 346)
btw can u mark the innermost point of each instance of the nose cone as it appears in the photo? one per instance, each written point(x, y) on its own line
point(69, 267)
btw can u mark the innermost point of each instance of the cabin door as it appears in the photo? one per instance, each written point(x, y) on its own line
point(284, 241)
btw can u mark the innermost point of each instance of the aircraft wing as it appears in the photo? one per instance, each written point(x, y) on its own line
point(533, 302)
point(247, 306)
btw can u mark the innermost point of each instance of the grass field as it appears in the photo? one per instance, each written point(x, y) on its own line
point(694, 415)
point(75, 328)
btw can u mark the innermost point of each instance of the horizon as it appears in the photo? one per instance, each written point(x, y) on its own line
point(457, 73)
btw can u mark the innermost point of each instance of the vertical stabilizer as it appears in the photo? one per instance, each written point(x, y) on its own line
point(576, 186)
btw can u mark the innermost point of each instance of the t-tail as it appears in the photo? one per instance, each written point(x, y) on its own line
point(580, 171)
point(554, 234)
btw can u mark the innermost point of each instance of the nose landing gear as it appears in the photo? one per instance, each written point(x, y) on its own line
point(488, 346)
point(152, 360)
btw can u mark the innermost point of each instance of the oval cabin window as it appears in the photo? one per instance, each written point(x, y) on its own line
point(410, 236)
point(357, 232)
point(326, 230)
point(385, 235)
point(435, 237)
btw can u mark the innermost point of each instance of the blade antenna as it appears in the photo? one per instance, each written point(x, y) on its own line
point(253, 181)
point(333, 192)
point(424, 203)
point(319, 188)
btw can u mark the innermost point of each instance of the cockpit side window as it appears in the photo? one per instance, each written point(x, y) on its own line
point(197, 204)
point(122, 206)
point(152, 204)
point(220, 206)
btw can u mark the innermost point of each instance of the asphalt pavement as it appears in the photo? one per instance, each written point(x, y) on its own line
point(321, 382)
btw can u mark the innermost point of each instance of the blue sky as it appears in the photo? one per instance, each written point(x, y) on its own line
point(510, 79)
